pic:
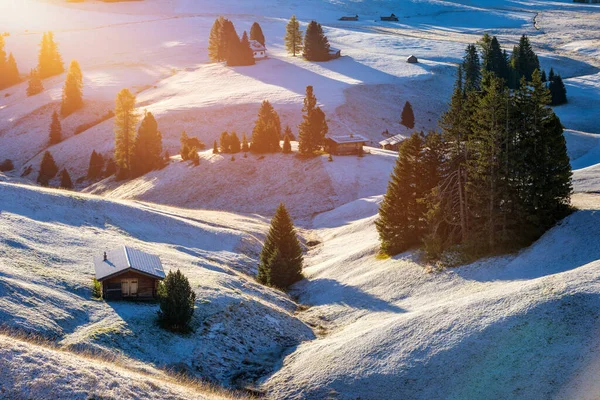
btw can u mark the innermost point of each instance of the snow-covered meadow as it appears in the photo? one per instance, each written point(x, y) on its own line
point(519, 326)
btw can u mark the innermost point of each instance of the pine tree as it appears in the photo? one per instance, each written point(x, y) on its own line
point(111, 168)
point(293, 37)
point(50, 61)
point(177, 300)
point(215, 148)
point(234, 143)
point(55, 133)
point(12, 71)
point(544, 77)
point(281, 257)
point(524, 60)
point(408, 117)
point(148, 146)
point(493, 59)
point(126, 121)
point(558, 91)
point(224, 143)
point(256, 33)
point(215, 49)
point(72, 98)
point(267, 130)
point(287, 146)
point(245, 146)
point(288, 132)
point(184, 150)
point(229, 41)
point(246, 53)
point(35, 83)
point(48, 169)
point(235, 53)
point(193, 156)
point(551, 76)
point(313, 128)
point(3, 64)
point(95, 166)
point(316, 45)
point(401, 218)
point(471, 68)
point(65, 180)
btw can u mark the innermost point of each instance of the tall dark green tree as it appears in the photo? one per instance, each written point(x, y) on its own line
point(55, 133)
point(293, 37)
point(224, 143)
point(281, 257)
point(287, 146)
point(96, 166)
point(49, 61)
point(65, 180)
point(12, 76)
point(185, 149)
point(235, 145)
point(524, 60)
point(267, 130)
point(48, 169)
point(558, 91)
point(72, 97)
point(148, 146)
point(257, 34)
point(215, 48)
point(245, 145)
point(471, 67)
point(229, 41)
point(126, 120)
point(177, 300)
point(313, 128)
point(35, 85)
point(493, 59)
point(316, 45)
point(408, 116)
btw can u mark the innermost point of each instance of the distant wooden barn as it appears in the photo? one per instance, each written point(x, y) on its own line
point(347, 18)
point(412, 60)
point(127, 273)
point(390, 18)
point(334, 53)
point(392, 143)
point(343, 145)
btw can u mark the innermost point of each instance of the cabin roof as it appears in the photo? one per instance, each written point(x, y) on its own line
point(125, 258)
point(341, 139)
point(256, 46)
point(393, 140)
point(333, 50)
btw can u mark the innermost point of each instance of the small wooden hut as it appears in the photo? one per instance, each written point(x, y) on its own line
point(344, 145)
point(412, 60)
point(348, 18)
point(392, 143)
point(128, 274)
point(392, 17)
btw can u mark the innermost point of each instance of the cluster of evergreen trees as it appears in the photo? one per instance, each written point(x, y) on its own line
point(314, 45)
point(50, 61)
point(9, 72)
point(558, 91)
point(229, 143)
point(189, 148)
point(138, 154)
point(281, 257)
point(49, 169)
point(495, 178)
point(224, 44)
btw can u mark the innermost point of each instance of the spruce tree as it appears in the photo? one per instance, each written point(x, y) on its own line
point(177, 300)
point(50, 61)
point(55, 132)
point(229, 42)
point(12, 71)
point(234, 143)
point(72, 97)
point(48, 169)
point(65, 180)
point(493, 59)
point(524, 60)
point(3, 64)
point(267, 130)
point(316, 45)
point(95, 166)
point(400, 222)
point(471, 68)
point(111, 167)
point(544, 77)
point(215, 48)
point(408, 116)
point(148, 146)
point(35, 85)
point(184, 150)
point(193, 156)
point(245, 146)
point(288, 132)
point(224, 144)
point(126, 121)
point(215, 148)
point(256, 33)
point(281, 257)
point(287, 146)
point(293, 37)
point(313, 128)
point(246, 53)
point(558, 91)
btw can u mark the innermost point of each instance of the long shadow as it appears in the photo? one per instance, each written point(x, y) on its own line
point(527, 356)
point(329, 291)
point(571, 244)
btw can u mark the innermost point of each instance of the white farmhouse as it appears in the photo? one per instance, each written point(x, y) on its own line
point(258, 49)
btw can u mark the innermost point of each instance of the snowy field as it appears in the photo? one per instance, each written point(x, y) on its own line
point(520, 326)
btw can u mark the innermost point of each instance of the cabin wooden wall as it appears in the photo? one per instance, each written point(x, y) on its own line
point(147, 287)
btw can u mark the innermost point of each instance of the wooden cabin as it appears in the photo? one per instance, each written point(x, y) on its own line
point(344, 145)
point(258, 50)
point(412, 60)
point(392, 143)
point(334, 53)
point(347, 18)
point(390, 18)
point(128, 274)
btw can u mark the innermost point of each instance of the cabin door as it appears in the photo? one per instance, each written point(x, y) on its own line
point(129, 287)
point(125, 287)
